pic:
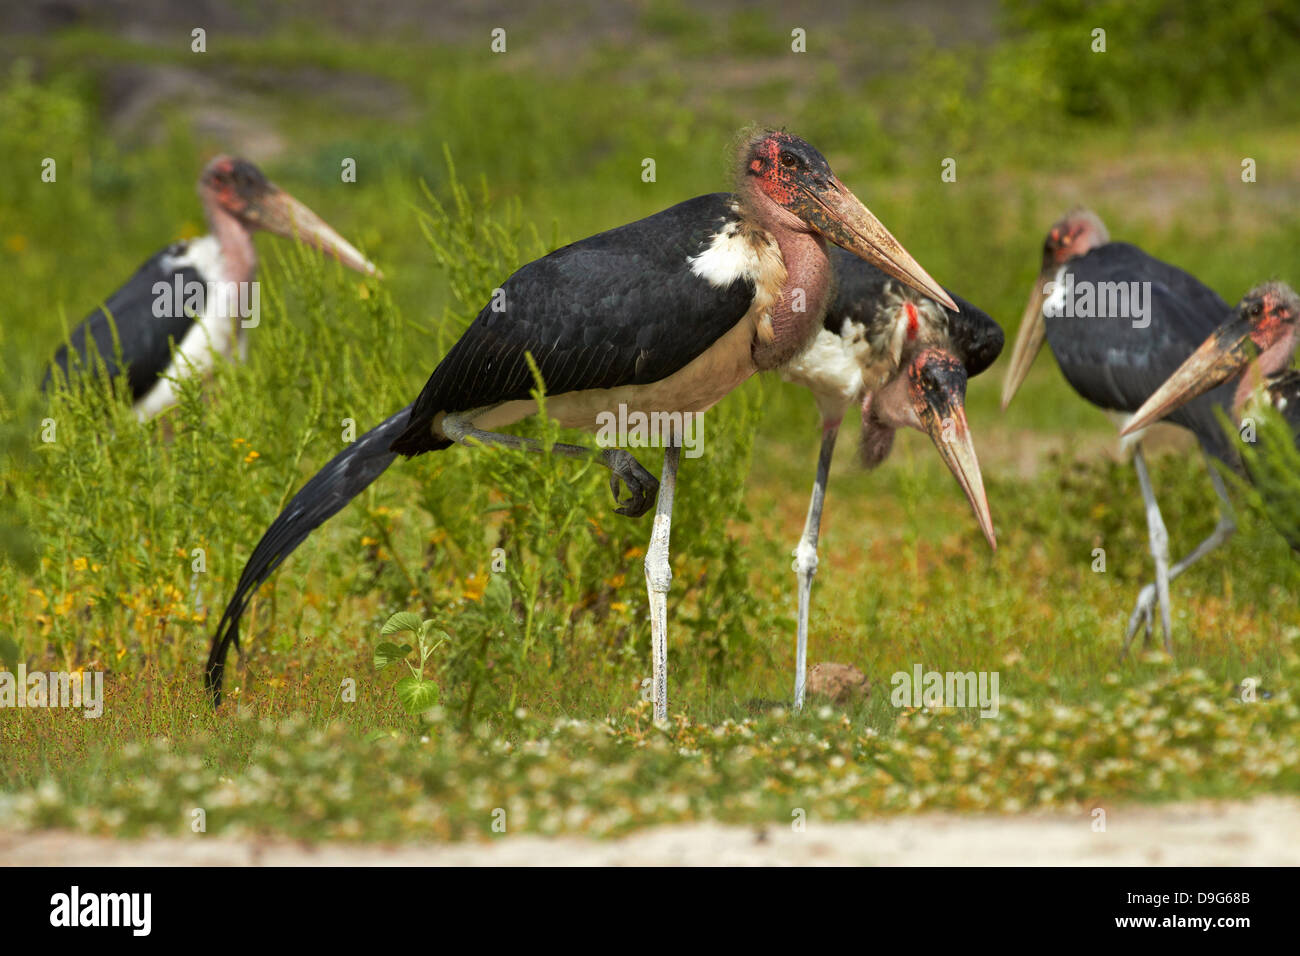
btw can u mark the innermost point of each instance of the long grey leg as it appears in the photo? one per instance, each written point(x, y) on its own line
point(1159, 537)
point(1221, 533)
point(658, 575)
point(805, 559)
point(641, 485)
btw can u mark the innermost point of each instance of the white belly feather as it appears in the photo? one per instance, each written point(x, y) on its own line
point(217, 332)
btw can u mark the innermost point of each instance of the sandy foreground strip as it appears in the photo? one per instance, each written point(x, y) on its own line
point(1260, 832)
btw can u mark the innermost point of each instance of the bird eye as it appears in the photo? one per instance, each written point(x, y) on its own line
point(1256, 309)
point(788, 161)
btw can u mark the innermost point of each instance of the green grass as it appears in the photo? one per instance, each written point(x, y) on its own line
point(98, 529)
point(320, 775)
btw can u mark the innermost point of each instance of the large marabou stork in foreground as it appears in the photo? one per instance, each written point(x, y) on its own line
point(1117, 361)
point(1251, 355)
point(664, 315)
point(149, 315)
point(905, 359)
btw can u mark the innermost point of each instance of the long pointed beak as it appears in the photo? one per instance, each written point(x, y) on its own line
point(1224, 354)
point(1028, 340)
point(945, 422)
point(281, 214)
point(842, 218)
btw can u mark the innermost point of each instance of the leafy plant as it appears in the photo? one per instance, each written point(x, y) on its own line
point(418, 694)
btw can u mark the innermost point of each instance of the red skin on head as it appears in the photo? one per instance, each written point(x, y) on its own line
point(777, 182)
point(226, 193)
point(1271, 324)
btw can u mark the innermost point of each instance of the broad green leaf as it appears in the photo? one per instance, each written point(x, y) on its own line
point(386, 652)
point(417, 695)
point(430, 636)
point(402, 621)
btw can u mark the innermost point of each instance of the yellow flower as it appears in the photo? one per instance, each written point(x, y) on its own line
point(251, 457)
point(368, 542)
point(617, 606)
point(474, 588)
point(633, 553)
point(363, 290)
point(618, 580)
point(79, 564)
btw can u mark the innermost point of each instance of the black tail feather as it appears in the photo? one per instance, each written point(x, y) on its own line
point(348, 474)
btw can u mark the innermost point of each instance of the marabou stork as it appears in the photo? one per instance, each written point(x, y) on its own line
point(1115, 352)
point(1250, 354)
point(664, 315)
point(905, 359)
point(192, 292)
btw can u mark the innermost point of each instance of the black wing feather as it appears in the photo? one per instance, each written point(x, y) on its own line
point(1117, 366)
point(144, 337)
point(619, 308)
point(346, 475)
point(975, 337)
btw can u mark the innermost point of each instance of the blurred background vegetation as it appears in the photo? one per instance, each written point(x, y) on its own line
point(471, 162)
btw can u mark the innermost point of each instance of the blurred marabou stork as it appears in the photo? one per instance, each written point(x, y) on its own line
point(905, 359)
point(192, 292)
point(1116, 358)
point(1251, 355)
point(664, 315)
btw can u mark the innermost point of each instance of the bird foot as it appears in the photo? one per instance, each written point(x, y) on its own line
point(642, 486)
point(1143, 614)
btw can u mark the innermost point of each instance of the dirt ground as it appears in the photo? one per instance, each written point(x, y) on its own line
point(1263, 832)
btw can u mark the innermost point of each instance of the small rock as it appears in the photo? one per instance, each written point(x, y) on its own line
point(842, 683)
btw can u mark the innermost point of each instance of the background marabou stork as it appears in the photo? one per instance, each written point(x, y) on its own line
point(905, 359)
point(1117, 361)
point(666, 314)
point(148, 313)
point(1250, 354)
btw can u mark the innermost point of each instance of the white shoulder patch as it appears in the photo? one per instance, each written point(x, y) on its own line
point(1055, 303)
point(202, 255)
point(730, 256)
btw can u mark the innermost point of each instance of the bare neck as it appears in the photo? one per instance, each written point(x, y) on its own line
point(1274, 359)
point(800, 299)
point(804, 297)
point(238, 254)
